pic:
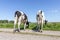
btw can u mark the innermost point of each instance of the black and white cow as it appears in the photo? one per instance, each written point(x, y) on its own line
point(40, 20)
point(20, 17)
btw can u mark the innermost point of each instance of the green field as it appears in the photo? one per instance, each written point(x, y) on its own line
point(50, 26)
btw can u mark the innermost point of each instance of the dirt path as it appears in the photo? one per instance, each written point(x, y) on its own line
point(7, 34)
point(53, 33)
point(12, 36)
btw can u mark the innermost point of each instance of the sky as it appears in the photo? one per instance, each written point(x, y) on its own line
point(51, 9)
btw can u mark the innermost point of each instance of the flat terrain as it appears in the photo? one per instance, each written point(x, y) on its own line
point(12, 36)
point(7, 34)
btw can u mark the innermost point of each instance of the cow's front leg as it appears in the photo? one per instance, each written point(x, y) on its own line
point(15, 22)
point(42, 26)
point(38, 26)
point(19, 23)
point(19, 26)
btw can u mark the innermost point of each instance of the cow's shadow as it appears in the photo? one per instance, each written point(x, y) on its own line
point(17, 30)
point(35, 29)
point(22, 28)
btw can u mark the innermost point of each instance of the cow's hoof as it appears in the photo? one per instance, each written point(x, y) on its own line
point(24, 30)
point(41, 31)
point(38, 30)
point(16, 30)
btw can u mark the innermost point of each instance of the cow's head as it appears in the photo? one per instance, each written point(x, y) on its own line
point(27, 24)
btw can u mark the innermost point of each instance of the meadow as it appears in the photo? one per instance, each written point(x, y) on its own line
point(55, 26)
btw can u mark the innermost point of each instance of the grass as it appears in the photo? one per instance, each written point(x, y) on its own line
point(50, 26)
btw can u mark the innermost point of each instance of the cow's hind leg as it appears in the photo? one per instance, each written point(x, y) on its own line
point(24, 26)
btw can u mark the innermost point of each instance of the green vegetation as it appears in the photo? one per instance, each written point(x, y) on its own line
point(50, 26)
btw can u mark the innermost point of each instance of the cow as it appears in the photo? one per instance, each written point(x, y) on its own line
point(20, 17)
point(40, 20)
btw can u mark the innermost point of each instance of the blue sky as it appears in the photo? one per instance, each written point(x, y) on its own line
point(51, 9)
